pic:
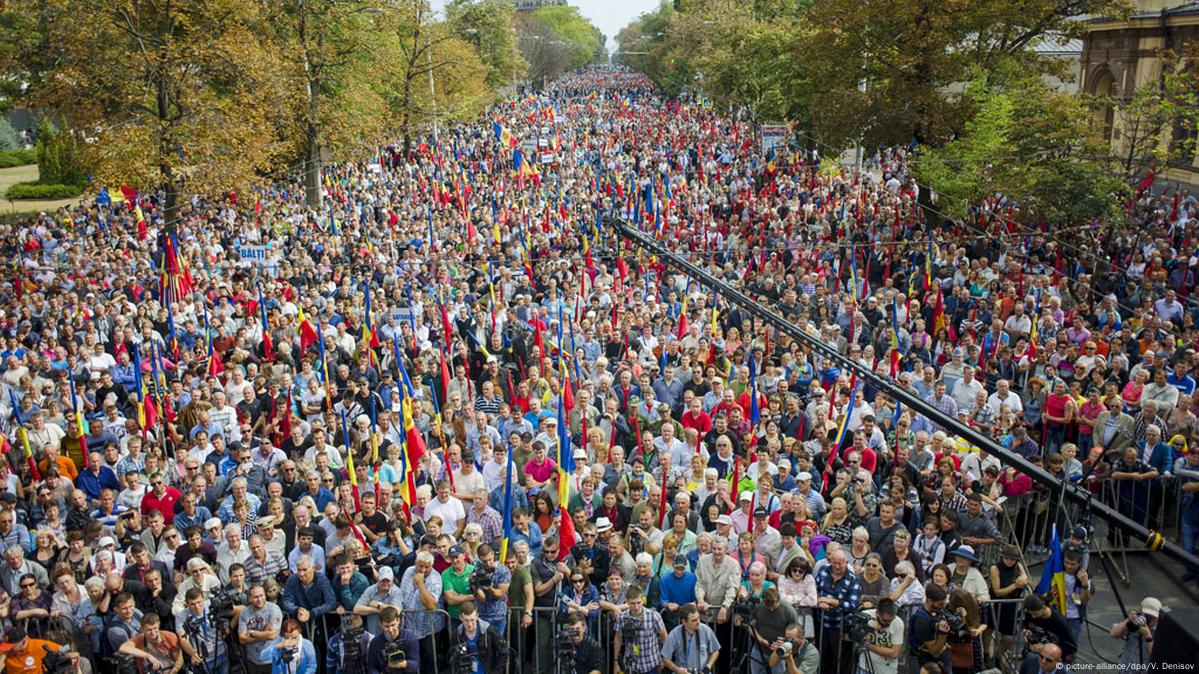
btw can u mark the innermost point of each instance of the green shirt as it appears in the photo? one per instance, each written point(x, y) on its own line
point(521, 578)
point(459, 583)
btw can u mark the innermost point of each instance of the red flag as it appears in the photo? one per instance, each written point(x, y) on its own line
point(566, 534)
point(445, 377)
point(308, 334)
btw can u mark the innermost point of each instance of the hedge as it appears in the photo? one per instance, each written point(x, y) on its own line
point(39, 191)
point(11, 158)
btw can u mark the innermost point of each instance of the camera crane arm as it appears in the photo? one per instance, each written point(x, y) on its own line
point(1072, 492)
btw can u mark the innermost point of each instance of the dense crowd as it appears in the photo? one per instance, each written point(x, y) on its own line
point(451, 417)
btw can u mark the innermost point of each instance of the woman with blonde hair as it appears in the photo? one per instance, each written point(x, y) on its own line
point(837, 524)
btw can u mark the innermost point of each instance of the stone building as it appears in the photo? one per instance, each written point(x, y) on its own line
point(1120, 55)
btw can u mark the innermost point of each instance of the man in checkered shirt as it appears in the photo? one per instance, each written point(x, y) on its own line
point(640, 654)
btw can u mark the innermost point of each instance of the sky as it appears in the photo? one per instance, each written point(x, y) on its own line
point(609, 15)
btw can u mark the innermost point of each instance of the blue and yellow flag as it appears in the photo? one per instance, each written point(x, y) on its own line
point(1052, 587)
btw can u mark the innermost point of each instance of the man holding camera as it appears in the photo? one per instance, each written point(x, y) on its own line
point(1137, 631)
point(1045, 625)
point(793, 654)
point(767, 627)
point(394, 649)
point(20, 655)
point(930, 630)
point(489, 585)
point(257, 627)
point(203, 644)
point(884, 643)
point(691, 648)
point(157, 648)
point(638, 637)
point(588, 656)
point(486, 647)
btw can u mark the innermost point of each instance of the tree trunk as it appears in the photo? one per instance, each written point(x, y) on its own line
point(312, 151)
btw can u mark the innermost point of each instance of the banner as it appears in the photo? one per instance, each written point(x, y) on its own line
point(773, 135)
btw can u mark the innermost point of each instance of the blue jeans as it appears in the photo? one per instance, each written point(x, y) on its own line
point(1190, 529)
point(1075, 625)
point(218, 665)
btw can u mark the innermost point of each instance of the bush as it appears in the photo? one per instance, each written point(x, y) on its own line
point(40, 191)
point(11, 158)
point(58, 156)
point(9, 138)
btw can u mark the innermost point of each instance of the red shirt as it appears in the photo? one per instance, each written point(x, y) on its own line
point(700, 422)
point(164, 504)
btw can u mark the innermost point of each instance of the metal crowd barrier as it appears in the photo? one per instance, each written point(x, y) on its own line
point(532, 650)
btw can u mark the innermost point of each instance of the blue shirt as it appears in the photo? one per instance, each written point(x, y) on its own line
point(1185, 384)
point(92, 484)
point(848, 591)
point(677, 590)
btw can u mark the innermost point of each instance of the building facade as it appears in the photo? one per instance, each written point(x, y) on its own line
point(1121, 55)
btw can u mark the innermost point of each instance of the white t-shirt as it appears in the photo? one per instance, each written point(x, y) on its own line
point(892, 635)
point(451, 512)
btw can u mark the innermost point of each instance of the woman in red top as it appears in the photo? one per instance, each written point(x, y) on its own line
point(1059, 414)
point(1088, 412)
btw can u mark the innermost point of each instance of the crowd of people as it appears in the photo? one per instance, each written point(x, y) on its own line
point(452, 420)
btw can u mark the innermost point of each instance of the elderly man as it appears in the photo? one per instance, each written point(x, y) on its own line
point(383, 593)
point(839, 592)
point(16, 566)
point(308, 596)
point(420, 597)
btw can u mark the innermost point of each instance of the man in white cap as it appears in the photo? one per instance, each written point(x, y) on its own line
point(724, 531)
point(199, 575)
point(744, 513)
point(812, 497)
point(384, 592)
point(1138, 631)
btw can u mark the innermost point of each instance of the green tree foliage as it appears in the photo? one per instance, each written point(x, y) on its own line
point(582, 39)
point(427, 49)
point(170, 94)
point(59, 156)
point(1158, 122)
point(1028, 142)
point(488, 26)
point(9, 138)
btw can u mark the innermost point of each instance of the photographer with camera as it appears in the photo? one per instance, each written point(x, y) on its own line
point(480, 641)
point(292, 653)
point(884, 643)
point(1044, 625)
point(20, 654)
point(489, 585)
point(929, 641)
point(157, 650)
point(204, 644)
point(692, 647)
point(638, 637)
point(794, 654)
point(586, 655)
point(394, 649)
point(767, 624)
point(1137, 631)
point(257, 628)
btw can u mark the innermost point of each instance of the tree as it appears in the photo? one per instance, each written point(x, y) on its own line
point(334, 49)
point(171, 95)
point(546, 54)
point(580, 37)
point(435, 74)
point(489, 26)
point(1157, 124)
point(1034, 145)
